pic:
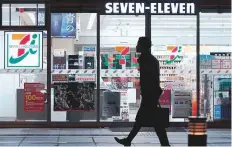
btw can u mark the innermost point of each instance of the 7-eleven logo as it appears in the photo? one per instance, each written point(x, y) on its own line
point(175, 52)
point(23, 49)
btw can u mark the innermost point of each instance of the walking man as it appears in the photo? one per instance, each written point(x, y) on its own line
point(150, 91)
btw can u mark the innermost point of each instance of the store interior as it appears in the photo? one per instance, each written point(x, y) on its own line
point(118, 34)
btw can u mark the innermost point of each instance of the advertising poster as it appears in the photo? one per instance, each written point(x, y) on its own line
point(182, 103)
point(111, 104)
point(33, 98)
point(63, 25)
point(23, 50)
point(165, 99)
point(74, 96)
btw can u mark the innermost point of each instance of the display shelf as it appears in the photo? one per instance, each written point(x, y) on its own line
point(114, 72)
point(215, 71)
point(74, 71)
point(23, 71)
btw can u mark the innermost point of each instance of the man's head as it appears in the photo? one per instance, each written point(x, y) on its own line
point(143, 45)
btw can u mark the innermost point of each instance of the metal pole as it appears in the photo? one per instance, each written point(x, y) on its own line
point(1, 14)
point(98, 68)
point(198, 58)
point(48, 26)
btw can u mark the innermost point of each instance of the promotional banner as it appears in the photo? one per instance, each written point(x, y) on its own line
point(74, 96)
point(23, 50)
point(182, 103)
point(63, 25)
point(33, 98)
point(111, 104)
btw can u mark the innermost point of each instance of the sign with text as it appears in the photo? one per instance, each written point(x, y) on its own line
point(85, 77)
point(171, 7)
point(23, 50)
point(33, 98)
point(63, 25)
point(59, 77)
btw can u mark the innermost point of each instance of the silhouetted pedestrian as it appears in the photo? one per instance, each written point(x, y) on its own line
point(150, 91)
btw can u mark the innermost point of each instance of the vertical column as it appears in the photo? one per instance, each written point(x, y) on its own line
point(198, 58)
point(1, 14)
point(98, 67)
point(48, 26)
point(147, 21)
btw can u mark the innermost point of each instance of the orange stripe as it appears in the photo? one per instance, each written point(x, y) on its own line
point(119, 48)
point(170, 47)
point(17, 36)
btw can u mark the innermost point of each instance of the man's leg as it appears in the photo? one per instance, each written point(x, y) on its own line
point(162, 135)
point(127, 141)
point(134, 131)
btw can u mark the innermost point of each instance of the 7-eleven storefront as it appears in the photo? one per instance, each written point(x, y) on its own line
point(75, 65)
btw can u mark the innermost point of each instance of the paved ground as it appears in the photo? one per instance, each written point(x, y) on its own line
point(99, 137)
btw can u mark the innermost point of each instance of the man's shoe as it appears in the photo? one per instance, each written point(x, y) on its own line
point(123, 141)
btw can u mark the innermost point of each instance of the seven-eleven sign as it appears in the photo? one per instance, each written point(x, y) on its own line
point(23, 50)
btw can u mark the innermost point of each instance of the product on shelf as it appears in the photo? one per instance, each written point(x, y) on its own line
point(89, 62)
point(73, 62)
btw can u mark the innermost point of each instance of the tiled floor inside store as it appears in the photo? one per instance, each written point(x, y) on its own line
point(99, 137)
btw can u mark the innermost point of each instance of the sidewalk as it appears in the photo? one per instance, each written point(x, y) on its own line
point(99, 137)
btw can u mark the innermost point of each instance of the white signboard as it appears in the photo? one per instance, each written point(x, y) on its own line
point(154, 8)
point(182, 103)
point(23, 50)
point(85, 77)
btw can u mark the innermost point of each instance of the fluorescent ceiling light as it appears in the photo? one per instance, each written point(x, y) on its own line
point(91, 21)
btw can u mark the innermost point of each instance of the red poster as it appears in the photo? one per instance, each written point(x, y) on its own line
point(33, 98)
point(165, 99)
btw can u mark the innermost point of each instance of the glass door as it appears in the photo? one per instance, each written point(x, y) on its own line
point(74, 67)
point(119, 77)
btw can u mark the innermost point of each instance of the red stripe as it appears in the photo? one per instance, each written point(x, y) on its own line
point(25, 39)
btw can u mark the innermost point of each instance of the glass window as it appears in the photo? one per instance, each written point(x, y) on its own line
point(120, 92)
point(215, 65)
point(23, 14)
point(174, 45)
point(74, 64)
point(5, 14)
point(23, 68)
